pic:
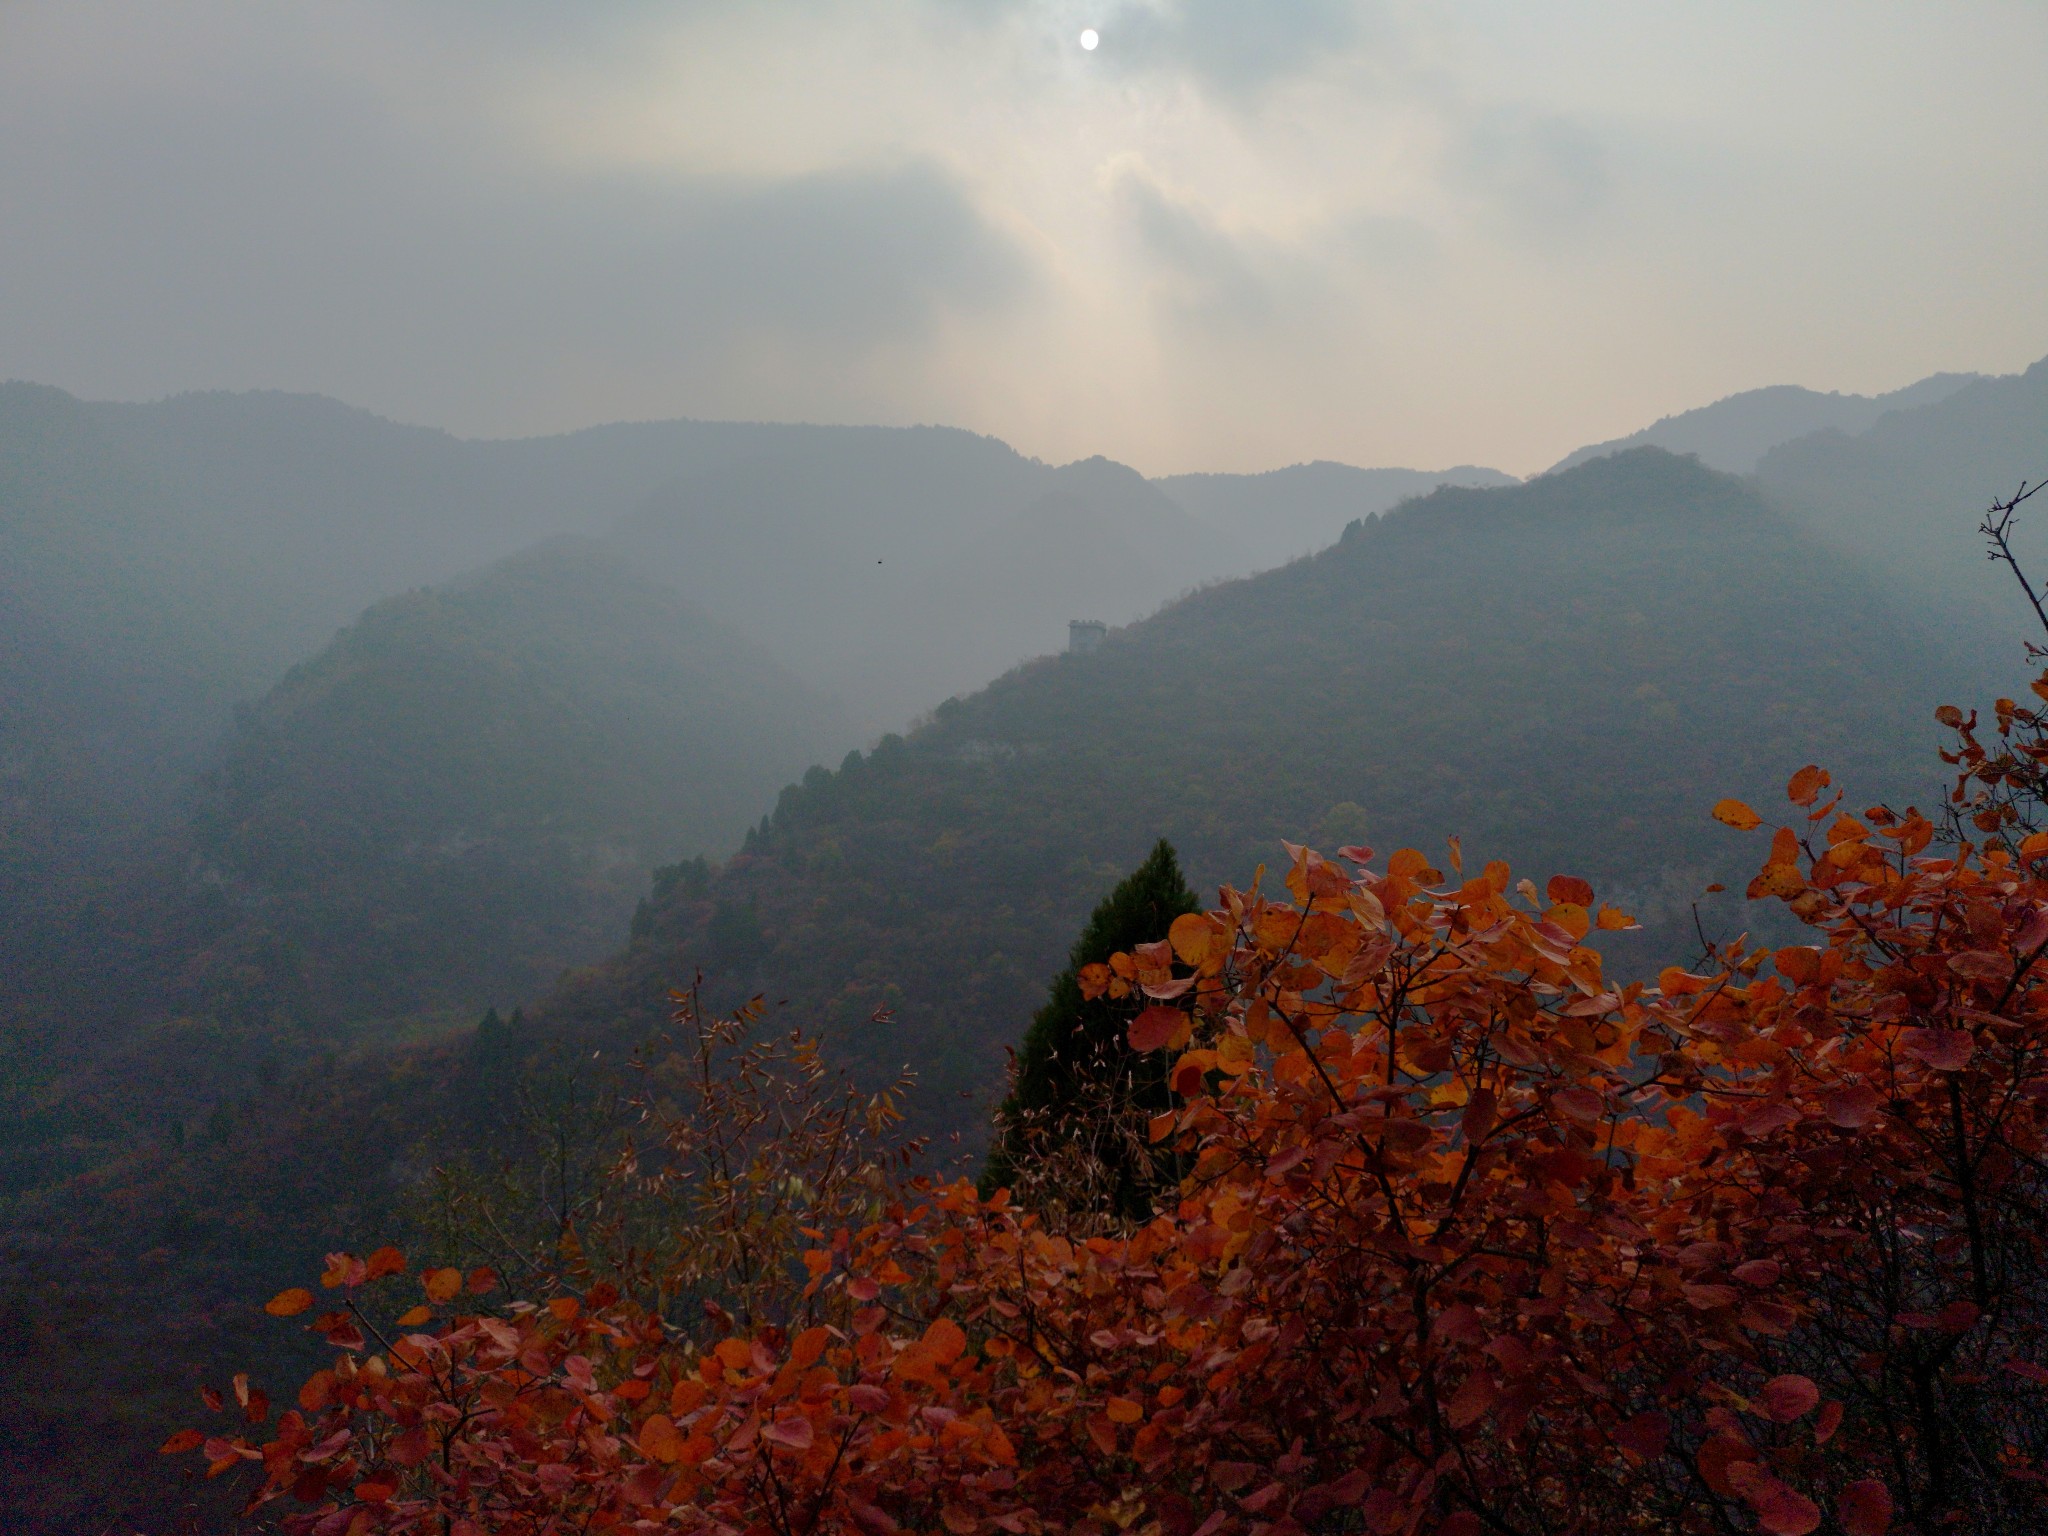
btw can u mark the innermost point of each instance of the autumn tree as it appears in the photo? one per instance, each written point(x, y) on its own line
point(1473, 1238)
point(1071, 1131)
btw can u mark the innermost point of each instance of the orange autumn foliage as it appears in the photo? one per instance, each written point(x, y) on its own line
point(1476, 1239)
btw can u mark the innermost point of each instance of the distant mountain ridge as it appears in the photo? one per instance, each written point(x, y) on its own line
point(1283, 514)
point(1904, 499)
point(1734, 433)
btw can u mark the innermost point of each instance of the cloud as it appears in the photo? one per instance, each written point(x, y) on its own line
point(322, 242)
point(1543, 171)
point(1200, 269)
point(1231, 45)
point(1239, 232)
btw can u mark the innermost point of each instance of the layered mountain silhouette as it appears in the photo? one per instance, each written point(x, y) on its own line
point(1904, 498)
point(1735, 433)
point(1283, 514)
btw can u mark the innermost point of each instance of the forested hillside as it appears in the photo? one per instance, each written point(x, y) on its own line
point(1904, 499)
point(460, 796)
point(1571, 670)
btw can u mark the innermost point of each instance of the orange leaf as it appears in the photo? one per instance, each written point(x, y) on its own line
point(415, 1317)
point(290, 1303)
point(659, 1440)
point(1191, 935)
point(183, 1440)
point(385, 1261)
point(1734, 813)
point(1152, 1028)
point(1614, 920)
point(805, 1349)
point(1571, 917)
point(1807, 784)
point(945, 1340)
point(442, 1285)
point(1123, 1411)
point(482, 1279)
point(1777, 880)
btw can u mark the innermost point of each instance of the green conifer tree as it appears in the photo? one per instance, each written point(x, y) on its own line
point(1081, 1095)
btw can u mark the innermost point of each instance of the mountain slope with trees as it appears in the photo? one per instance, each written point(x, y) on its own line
point(1904, 499)
point(460, 797)
point(1570, 670)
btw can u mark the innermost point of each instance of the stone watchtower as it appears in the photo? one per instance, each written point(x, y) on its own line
point(1085, 635)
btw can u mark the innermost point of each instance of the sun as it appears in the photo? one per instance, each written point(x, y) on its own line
point(1089, 38)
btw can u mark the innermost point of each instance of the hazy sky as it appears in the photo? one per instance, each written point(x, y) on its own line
point(1238, 234)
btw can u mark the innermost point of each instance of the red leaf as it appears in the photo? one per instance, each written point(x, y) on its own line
point(1471, 1401)
point(1782, 1511)
point(1645, 1435)
point(1479, 1114)
point(1785, 1398)
point(1154, 1027)
point(183, 1440)
point(1981, 965)
point(1957, 1317)
point(1579, 1103)
point(1945, 1050)
point(1830, 1420)
point(1865, 1508)
point(1569, 888)
point(1853, 1106)
point(793, 1433)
